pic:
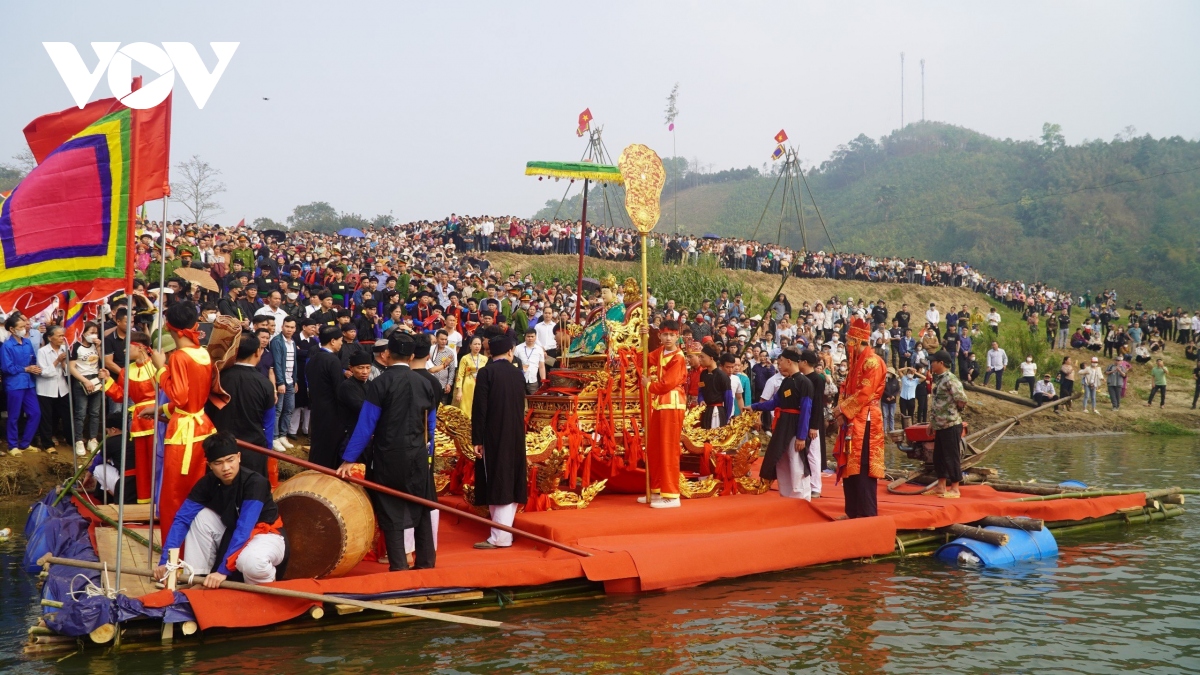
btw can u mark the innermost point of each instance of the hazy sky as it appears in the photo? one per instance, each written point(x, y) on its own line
point(423, 109)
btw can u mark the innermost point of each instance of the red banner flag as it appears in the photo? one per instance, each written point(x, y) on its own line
point(153, 133)
point(585, 121)
point(781, 136)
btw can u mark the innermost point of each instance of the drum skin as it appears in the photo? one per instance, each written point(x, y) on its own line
point(330, 525)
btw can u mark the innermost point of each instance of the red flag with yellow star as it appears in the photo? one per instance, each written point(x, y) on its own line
point(585, 121)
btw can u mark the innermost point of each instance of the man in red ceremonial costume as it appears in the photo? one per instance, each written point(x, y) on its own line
point(666, 376)
point(144, 367)
point(186, 383)
point(859, 450)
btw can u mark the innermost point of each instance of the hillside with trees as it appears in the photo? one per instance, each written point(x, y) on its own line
point(1123, 213)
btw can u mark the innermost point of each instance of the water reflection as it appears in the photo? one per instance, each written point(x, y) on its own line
point(1112, 602)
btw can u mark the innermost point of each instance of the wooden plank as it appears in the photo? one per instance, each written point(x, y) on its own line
point(134, 513)
point(415, 600)
point(133, 556)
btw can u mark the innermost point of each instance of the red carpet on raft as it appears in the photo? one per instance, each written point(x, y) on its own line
point(638, 549)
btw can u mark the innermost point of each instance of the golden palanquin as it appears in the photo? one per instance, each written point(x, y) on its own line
point(584, 423)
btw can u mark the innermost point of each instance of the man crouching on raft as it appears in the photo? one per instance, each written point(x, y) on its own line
point(228, 521)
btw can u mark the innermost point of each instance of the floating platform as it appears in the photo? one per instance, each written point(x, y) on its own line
point(636, 550)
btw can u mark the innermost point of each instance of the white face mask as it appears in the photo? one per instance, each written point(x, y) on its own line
point(92, 338)
point(293, 296)
point(209, 318)
point(20, 332)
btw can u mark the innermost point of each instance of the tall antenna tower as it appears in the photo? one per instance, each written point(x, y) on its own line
point(901, 90)
point(922, 90)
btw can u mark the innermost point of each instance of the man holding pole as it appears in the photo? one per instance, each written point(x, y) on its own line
point(859, 450)
point(664, 379)
point(186, 383)
point(397, 415)
point(229, 524)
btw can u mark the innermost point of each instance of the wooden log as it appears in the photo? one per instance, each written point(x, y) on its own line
point(302, 595)
point(52, 640)
point(1025, 488)
point(1027, 524)
point(978, 534)
point(1174, 499)
point(51, 603)
point(1003, 395)
point(190, 627)
point(104, 634)
point(1157, 494)
point(317, 612)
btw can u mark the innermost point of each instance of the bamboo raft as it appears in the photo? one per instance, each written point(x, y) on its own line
point(337, 615)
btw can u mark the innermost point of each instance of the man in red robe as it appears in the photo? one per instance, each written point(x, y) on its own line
point(144, 368)
point(859, 449)
point(186, 383)
point(666, 377)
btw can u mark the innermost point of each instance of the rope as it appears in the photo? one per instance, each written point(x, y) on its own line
point(91, 590)
point(182, 565)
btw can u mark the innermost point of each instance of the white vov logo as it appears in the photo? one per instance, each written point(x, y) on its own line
point(171, 57)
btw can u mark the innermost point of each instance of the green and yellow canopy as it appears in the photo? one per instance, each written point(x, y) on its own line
point(581, 170)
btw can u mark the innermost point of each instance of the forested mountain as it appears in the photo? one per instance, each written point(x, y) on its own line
point(1123, 213)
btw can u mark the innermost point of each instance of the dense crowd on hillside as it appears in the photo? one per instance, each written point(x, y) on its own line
point(435, 277)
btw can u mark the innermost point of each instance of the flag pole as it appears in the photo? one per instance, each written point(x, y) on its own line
point(162, 274)
point(129, 239)
point(582, 249)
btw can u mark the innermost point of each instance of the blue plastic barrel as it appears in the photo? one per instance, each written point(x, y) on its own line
point(1073, 484)
point(1022, 545)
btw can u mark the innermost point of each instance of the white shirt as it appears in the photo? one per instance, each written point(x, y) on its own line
point(545, 335)
point(1044, 387)
point(530, 358)
point(52, 382)
point(279, 315)
point(997, 359)
point(771, 385)
point(454, 341)
point(735, 385)
point(993, 318)
point(1028, 369)
point(933, 316)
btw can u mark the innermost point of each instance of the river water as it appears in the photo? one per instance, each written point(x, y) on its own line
point(1115, 601)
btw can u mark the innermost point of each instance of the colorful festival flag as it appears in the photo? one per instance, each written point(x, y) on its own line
point(585, 121)
point(74, 316)
point(778, 153)
point(65, 227)
point(781, 136)
point(46, 133)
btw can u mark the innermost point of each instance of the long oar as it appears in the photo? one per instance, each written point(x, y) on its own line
point(288, 593)
point(283, 457)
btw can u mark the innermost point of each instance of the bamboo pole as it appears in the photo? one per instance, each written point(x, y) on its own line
point(302, 595)
point(645, 388)
point(412, 498)
point(168, 629)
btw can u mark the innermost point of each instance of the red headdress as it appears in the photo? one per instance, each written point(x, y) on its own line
point(859, 330)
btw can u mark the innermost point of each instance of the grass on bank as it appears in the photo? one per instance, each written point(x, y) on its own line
point(1160, 428)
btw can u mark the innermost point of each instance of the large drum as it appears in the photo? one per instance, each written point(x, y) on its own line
point(329, 522)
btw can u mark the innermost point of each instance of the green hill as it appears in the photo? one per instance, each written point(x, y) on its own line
point(1102, 214)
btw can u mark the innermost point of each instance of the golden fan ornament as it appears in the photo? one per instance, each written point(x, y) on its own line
point(644, 179)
